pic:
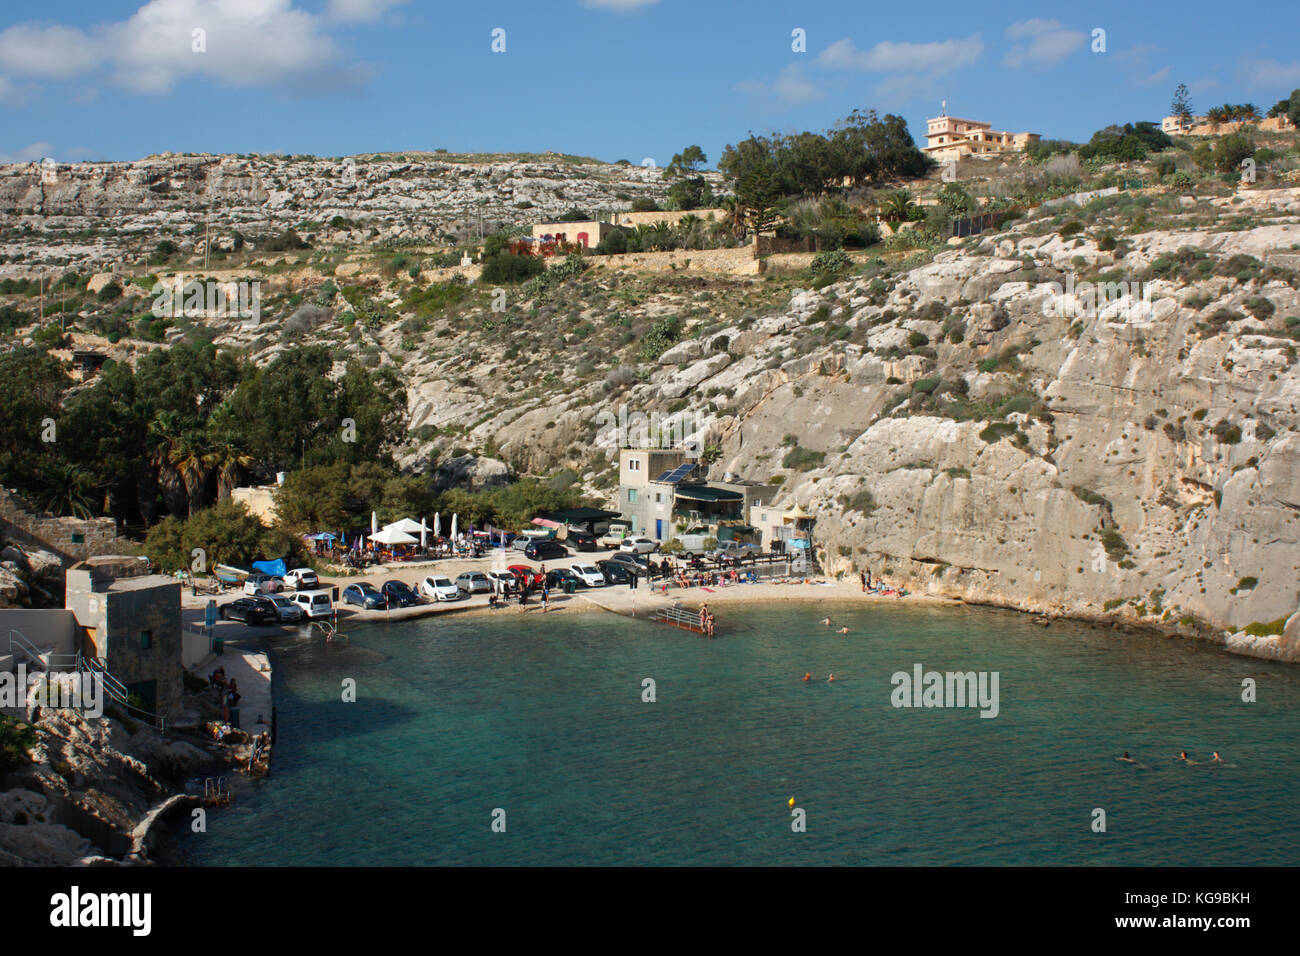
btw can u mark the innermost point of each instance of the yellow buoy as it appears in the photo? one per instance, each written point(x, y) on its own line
point(792, 801)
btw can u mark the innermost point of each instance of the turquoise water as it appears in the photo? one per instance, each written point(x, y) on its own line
point(543, 718)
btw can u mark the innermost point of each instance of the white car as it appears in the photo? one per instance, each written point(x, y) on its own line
point(440, 588)
point(301, 578)
point(588, 574)
point(314, 603)
point(639, 545)
point(256, 584)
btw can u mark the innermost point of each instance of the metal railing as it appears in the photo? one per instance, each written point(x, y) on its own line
point(116, 690)
point(19, 640)
point(679, 617)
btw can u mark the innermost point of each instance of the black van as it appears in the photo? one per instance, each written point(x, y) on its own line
point(545, 550)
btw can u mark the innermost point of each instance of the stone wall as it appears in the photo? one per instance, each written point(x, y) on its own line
point(73, 539)
point(737, 261)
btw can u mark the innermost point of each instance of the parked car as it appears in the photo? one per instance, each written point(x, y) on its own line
point(317, 603)
point(614, 572)
point(473, 582)
point(555, 580)
point(630, 560)
point(588, 574)
point(365, 596)
point(526, 574)
point(614, 536)
point(301, 578)
point(733, 550)
point(284, 609)
point(639, 545)
point(545, 551)
point(507, 578)
point(256, 584)
point(440, 588)
point(249, 610)
point(580, 540)
point(399, 594)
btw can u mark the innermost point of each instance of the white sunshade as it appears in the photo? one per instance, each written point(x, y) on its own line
point(406, 524)
point(392, 536)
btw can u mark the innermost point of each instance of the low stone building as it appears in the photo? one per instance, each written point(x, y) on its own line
point(130, 619)
point(585, 234)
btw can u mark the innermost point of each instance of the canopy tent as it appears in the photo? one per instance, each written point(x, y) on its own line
point(322, 536)
point(547, 523)
point(392, 536)
point(406, 524)
point(274, 568)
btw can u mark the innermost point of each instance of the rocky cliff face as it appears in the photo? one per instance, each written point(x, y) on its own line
point(90, 214)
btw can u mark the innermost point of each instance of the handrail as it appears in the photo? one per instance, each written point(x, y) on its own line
point(24, 645)
point(117, 691)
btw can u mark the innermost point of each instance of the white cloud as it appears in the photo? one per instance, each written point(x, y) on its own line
point(621, 6)
point(29, 154)
point(1045, 42)
point(14, 94)
point(790, 88)
point(934, 58)
point(1270, 74)
point(360, 11)
point(49, 52)
point(243, 43)
point(1159, 76)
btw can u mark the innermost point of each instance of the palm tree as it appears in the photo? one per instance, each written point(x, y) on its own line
point(164, 435)
point(1215, 116)
point(189, 455)
point(897, 206)
point(735, 214)
point(229, 461)
point(1249, 112)
point(67, 490)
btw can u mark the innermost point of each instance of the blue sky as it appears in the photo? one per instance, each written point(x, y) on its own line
point(614, 79)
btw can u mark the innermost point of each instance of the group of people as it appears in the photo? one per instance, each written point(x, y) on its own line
point(706, 621)
point(227, 691)
point(879, 587)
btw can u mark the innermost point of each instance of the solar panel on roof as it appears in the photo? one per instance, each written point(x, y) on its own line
point(677, 474)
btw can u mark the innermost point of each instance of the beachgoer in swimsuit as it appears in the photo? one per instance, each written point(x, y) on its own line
point(844, 630)
point(1216, 758)
point(807, 678)
point(826, 621)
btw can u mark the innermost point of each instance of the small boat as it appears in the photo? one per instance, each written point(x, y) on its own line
point(229, 575)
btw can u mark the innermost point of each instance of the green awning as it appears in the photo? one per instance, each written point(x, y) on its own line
point(707, 493)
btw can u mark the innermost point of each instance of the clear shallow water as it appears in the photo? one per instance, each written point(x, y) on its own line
point(459, 715)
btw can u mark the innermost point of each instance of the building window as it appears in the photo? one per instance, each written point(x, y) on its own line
point(659, 499)
point(631, 496)
point(146, 640)
point(634, 464)
point(78, 538)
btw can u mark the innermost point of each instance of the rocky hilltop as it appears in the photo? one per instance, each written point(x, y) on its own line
point(94, 214)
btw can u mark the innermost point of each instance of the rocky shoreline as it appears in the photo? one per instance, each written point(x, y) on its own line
point(100, 791)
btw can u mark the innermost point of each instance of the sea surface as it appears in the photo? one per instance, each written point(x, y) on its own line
point(539, 722)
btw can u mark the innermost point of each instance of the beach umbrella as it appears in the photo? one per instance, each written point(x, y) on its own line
point(374, 524)
point(424, 534)
point(437, 524)
point(454, 519)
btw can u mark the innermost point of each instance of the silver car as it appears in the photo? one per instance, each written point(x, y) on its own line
point(473, 582)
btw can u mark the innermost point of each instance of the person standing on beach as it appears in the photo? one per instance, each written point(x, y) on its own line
point(863, 577)
point(546, 594)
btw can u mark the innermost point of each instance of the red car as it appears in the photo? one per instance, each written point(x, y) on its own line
point(527, 574)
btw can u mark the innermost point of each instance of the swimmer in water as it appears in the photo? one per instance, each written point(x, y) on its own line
point(844, 630)
point(807, 678)
point(1216, 758)
point(826, 621)
point(830, 678)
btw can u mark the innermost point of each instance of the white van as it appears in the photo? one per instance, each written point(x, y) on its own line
point(314, 603)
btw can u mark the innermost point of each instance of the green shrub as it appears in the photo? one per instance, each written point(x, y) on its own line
point(802, 459)
point(17, 737)
point(1266, 628)
point(996, 431)
point(507, 269)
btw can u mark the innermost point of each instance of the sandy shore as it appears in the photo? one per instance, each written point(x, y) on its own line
point(619, 599)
